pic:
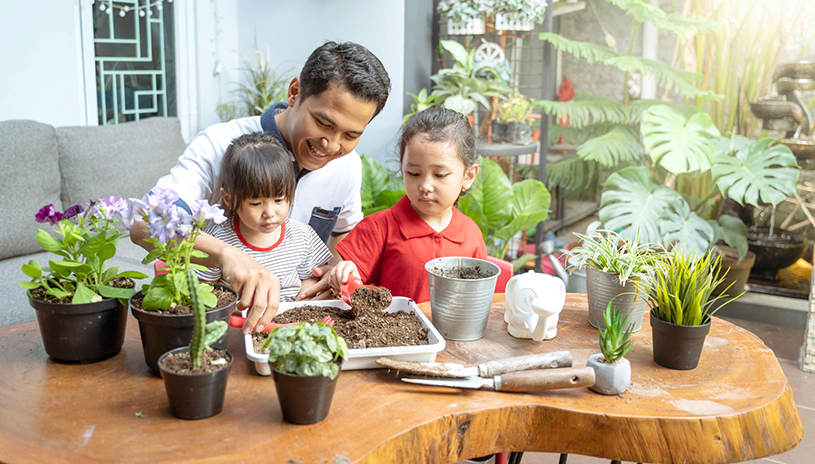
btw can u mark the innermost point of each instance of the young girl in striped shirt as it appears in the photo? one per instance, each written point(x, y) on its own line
point(257, 184)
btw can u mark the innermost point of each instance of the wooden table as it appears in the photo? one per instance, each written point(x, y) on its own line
point(737, 405)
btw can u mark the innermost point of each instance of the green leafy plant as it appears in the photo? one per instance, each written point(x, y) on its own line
point(502, 209)
point(615, 336)
point(380, 188)
point(680, 290)
point(84, 240)
point(422, 101)
point(462, 11)
point(610, 252)
point(468, 83)
point(522, 10)
point(203, 334)
point(516, 108)
point(306, 349)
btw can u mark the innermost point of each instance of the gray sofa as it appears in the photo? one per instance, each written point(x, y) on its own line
point(41, 164)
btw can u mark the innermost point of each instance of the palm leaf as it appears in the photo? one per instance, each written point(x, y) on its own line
point(757, 174)
point(586, 108)
point(613, 148)
point(686, 26)
point(575, 176)
point(577, 135)
point(678, 144)
point(634, 203)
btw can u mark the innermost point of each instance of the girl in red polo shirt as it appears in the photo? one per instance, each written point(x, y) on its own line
point(437, 153)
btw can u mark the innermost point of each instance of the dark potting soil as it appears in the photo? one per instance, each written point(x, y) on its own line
point(225, 298)
point(39, 293)
point(373, 329)
point(469, 272)
point(370, 299)
point(180, 363)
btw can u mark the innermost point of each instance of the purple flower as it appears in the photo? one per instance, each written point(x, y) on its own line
point(203, 211)
point(162, 197)
point(109, 208)
point(73, 211)
point(137, 210)
point(48, 214)
point(185, 224)
point(162, 223)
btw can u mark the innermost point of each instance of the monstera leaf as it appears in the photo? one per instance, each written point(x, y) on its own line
point(633, 202)
point(613, 148)
point(733, 232)
point(676, 143)
point(758, 173)
point(681, 227)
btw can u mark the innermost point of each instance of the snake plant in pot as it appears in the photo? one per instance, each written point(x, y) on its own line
point(682, 303)
point(306, 360)
point(615, 269)
point(612, 372)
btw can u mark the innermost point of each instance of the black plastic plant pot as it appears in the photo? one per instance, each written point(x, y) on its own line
point(162, 332)
point(678, 346)
point(499, 131)
point(304, 400)
point(81, 333)
point(195, 396)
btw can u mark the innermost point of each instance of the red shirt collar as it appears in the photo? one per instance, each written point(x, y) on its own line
point(411, 225)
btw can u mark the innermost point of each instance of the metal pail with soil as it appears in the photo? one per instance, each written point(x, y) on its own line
point(461, 291)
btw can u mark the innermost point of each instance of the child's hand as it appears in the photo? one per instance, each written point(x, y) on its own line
point(339, 274)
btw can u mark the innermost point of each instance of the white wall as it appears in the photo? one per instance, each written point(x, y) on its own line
point(41, 62)
point(295, 29)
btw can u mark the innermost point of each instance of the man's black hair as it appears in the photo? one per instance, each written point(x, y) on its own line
point(349, 65)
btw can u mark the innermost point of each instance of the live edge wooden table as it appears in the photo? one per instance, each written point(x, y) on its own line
point(736, 406)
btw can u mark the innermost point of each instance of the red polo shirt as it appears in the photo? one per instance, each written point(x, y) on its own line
point(391, 247)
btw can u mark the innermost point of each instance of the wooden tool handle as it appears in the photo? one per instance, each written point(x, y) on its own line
point(526, 363)
point(545, 379)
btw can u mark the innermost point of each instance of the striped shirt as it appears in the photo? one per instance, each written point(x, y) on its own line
point(290, 259)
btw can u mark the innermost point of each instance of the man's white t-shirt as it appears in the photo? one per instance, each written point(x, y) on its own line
point(337, 184)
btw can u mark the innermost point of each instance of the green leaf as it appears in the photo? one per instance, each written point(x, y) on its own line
point(686, 26)
point(32, 269)
point(374, 180)
point(457, 50)
point(683, 228)
point(518, 263)
point(29, 285)
point(48, 242)
point(620, 145)
point(151, 256)
point(530, 206)
point(734, 233)
point(69, 265)
point(460, 104)
point(158, 298)
point(95, 243)
point(114, 292)
point(132, 275)
point(106, 252)
point(757, 173)
point(585, 109)
point(198, 254)
point(209, 299)
point(633, 202)
point(58, 293)
point(676, 143)
point(487, 202)
point(110, 273)
point(84, 295)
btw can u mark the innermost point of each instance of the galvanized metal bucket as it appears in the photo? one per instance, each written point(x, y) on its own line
point(460, 308)
point(602, 287)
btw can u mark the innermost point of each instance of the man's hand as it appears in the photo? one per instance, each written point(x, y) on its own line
point(321, 289)
point(258, 288)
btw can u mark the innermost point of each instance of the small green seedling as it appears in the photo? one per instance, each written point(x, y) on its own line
point(614, 341)
point(306, 349)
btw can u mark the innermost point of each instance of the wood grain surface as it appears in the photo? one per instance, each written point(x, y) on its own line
point(736, 406)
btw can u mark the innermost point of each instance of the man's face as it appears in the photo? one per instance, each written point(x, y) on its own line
point(326, 126)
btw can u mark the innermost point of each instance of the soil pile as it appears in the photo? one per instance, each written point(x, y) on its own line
point(366, 299)
point(469, 272)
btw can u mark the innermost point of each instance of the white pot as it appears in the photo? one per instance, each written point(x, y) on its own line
point(609, 379)
point(472, 27)
point(505, 22)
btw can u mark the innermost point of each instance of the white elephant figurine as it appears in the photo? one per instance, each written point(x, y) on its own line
point(534, 302)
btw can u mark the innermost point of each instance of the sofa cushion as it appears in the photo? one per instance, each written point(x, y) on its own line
point(122, 160)
point(29, 174)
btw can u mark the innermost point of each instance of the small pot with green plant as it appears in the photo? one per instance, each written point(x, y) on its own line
point(306, 360)
point(80, 303)
point(681, 292)
point(511, 123)
point(615, 269)
point(195, 376)
point(465, 16)
point(518, 15)
point(612, 372)
point(163, 307)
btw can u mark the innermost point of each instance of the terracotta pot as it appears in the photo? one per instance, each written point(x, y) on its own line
point(737, 271)
point(678, 346)
point(196, 396)
point(609, 379)
point(83, 333)
point(304, 400)
point(162, 332)
point(602, 287)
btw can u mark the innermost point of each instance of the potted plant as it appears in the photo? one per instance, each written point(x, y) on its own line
point(80, 303)
point(195, 383)
point(306, 360)
point(612, 372)
point(511, 122)
point(615, 268)
point(682, 305)
point(422, 101)
point(163, 307)
point(518, 15)
point(464, 16)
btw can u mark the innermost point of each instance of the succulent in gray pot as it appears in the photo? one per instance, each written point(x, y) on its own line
point(306, 360)
point(80, 303)
point(612, 372)
point(163, 307)
point(615, 269)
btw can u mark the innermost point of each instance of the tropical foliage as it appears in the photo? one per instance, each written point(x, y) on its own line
point(381, 188)
point(306, 349)
point(468, 83)
point(607, 251)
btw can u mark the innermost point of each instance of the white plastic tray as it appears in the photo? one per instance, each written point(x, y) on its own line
point(364, 358)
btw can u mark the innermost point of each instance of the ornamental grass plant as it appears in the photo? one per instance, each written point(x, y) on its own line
point(615, 337)
point(608, 251)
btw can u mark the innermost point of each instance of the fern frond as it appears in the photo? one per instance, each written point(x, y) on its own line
point(686, 26)
point(577, 135)
point(586, 108)
point(636, 108)
point(577, 177)
point(620, 145)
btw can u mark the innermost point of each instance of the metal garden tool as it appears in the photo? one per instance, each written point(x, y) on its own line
point(554, 360)
point(526, 381)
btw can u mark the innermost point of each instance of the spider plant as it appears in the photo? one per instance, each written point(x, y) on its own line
point(681, 288)
point(615, 335)
point(608, 251)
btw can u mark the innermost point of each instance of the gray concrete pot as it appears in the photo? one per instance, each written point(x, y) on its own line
point(602, 286)
point(609, 379)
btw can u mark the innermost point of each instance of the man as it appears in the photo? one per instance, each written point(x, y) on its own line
point(341, 88)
